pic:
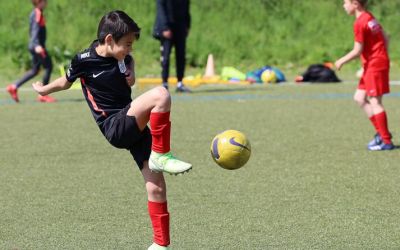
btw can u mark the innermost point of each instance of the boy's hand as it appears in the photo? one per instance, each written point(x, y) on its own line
point(41, 51)
point(130, 78)
point(38, 87)
point(167, 34)
point(338, 64)
point(130, 73)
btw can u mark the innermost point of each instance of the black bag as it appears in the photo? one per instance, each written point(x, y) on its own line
point(319, 73)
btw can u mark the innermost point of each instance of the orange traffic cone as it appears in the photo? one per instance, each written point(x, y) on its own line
point(210, 71)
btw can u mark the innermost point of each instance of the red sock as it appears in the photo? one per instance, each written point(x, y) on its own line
point(381, 120)
point(374, 122)
point(160, 132)
point(160, 220)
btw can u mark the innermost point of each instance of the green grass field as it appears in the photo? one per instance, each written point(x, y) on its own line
point(310, 182)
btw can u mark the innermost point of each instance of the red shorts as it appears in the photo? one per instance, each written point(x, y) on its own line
point(375, 83)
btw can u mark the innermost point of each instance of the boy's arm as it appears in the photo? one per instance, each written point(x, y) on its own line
point(387, 38)
point(55, 86)
point(162, 15)
point(34, 35)
point(354, 53)
point(35, 27)
point(165, 18)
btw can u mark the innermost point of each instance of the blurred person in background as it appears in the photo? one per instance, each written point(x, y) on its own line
point(37, 48)
point(172, 28)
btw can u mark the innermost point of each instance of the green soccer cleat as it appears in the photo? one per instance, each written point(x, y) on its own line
point(167, 163)
point(155, 246)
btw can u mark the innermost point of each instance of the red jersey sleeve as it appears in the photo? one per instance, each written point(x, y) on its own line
point(39, 17)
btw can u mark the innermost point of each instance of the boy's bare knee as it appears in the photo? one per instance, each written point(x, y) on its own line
point(360, 101)
point(163, 92)
point(162, 95)
point(157, 192)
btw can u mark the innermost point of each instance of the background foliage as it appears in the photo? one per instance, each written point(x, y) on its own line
point(244, 34)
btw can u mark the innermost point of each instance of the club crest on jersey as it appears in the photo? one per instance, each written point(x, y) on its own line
point(374, 26)
point(122, 67)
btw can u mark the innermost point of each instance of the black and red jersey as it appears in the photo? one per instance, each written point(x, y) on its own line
point(103, 82)
point(37, 29)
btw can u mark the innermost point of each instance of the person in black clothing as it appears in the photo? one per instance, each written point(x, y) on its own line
point(172, 28)
point(37, 48)
point(106, 71)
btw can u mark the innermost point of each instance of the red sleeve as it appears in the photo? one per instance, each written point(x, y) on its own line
point(359, 32)
point(38, 15)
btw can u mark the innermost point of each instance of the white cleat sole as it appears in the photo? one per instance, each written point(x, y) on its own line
point(161, 171)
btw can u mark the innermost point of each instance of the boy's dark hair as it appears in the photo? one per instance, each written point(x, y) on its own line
point(363, 3)
point(118, 24)
point(36, 2)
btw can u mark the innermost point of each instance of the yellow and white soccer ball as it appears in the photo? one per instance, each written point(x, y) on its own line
point(230, 149)
point(268, 76)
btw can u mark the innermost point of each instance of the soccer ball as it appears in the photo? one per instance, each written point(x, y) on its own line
point(268, 76)
point(230, 149)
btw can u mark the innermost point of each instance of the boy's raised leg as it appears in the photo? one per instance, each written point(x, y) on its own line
point(154, 106)
point(161, 159)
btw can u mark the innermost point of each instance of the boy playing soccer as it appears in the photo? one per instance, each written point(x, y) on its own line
point(37, 48)
point(371, 43)
point(106, 71)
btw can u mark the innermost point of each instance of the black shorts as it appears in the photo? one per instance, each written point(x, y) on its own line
point(122, 131)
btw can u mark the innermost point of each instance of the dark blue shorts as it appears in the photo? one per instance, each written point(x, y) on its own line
point(122, 131)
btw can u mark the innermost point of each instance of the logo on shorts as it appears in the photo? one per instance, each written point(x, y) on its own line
point(96, 75)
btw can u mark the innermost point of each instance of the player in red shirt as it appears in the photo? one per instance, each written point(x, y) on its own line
point(371, 44)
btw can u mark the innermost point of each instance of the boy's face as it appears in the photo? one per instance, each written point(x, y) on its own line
point(42, 4)
point(123, 47)
point(350, 6)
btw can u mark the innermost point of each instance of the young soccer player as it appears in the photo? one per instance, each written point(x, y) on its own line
point(37, 48)
point(106, 72)
point(371, 43)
